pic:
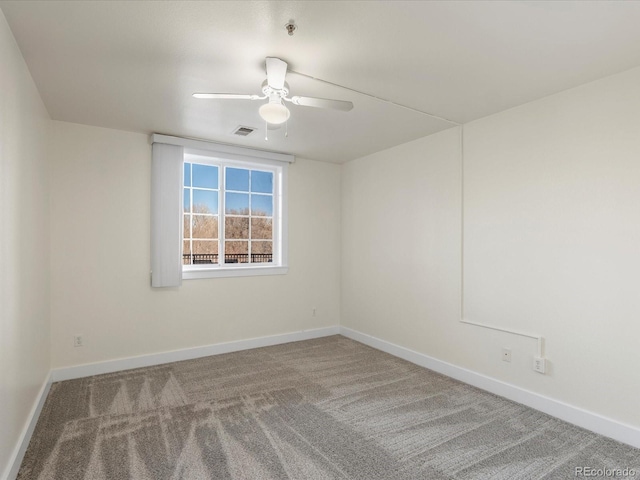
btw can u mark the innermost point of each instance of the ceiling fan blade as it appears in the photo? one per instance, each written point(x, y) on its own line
point(322, 103)
point(276, 71)
point(232, 96)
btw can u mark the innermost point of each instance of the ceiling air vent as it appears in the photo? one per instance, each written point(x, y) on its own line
point(243, 131)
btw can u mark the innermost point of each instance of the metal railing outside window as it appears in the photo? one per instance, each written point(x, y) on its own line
point(212, 258)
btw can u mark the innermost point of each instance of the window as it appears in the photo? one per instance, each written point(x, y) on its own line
point(232, 217)
point(216, 210)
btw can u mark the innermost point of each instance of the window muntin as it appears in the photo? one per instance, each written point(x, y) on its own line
point(231, 212)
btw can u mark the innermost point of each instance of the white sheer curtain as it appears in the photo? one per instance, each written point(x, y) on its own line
point(166, 215)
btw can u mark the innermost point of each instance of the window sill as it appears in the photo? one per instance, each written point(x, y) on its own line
point(221, 272)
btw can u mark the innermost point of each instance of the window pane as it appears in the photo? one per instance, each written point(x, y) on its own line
point(236, 252)
point(205, 252)
point(205, 226)
point(205, 176)
point(237, 179)
point(236, 227)
point(205, 201)
point(186, 201)
point(187, 174)
point(262, 228)
point(262, 205)
point(202, 247)
point(186, 233)
point(237, 203)
point(262, 247)
point(261, 252)
point(261, 182)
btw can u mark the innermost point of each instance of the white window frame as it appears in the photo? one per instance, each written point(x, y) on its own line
point(279, 265)
point(242, 157)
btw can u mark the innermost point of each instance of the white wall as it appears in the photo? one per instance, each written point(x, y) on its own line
point(552, 237)
point(552, 245)
point(401, 243)
point(100, 259)
point(401, 224)
point(24, 244)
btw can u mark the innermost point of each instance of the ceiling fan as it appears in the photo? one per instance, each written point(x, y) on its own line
point(275, 89)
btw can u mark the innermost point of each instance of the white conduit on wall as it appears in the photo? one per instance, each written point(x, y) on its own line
point(538, 338)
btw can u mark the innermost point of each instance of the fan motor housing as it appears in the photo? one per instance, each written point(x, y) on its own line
point(268, 91)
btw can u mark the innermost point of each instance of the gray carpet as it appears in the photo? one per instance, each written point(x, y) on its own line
point(328, 408)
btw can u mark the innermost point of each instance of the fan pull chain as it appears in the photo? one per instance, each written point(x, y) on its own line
point(266, 131)
point(286, 128)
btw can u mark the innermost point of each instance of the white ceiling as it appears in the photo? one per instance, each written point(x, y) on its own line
point(133, 65)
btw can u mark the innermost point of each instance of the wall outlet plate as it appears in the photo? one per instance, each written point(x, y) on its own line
point(540, 364)
point(78, 341)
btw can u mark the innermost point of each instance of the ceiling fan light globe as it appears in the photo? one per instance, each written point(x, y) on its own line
point(274, 113)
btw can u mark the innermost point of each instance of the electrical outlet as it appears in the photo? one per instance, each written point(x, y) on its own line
point(506, 355)
point(78, 341)
point(540, 364)
point(314, 311)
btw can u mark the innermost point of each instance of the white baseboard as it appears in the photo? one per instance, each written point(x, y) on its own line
point(569, 413)
point(15, 460)
point(89, 369)
point(110, 366)
point(577, 416)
